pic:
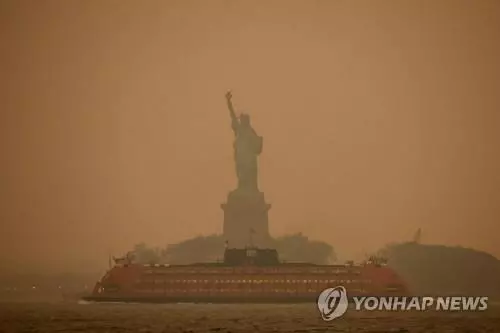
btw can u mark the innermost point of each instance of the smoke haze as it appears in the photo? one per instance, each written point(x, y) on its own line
point(378, 117)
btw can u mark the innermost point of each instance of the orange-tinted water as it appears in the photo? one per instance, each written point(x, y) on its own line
point(82, 317)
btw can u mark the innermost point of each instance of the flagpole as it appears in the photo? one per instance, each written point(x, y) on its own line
point(252, 231)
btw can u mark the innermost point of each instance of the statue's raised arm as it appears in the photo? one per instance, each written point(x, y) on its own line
point(234, 119)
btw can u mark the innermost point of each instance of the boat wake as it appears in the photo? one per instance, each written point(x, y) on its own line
point(83, 302)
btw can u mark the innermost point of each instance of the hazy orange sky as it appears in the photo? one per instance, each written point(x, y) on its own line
point(378, 117)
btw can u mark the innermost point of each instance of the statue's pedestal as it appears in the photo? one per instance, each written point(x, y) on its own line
point(245, 219)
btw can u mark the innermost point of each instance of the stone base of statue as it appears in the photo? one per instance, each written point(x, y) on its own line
point(245, 219)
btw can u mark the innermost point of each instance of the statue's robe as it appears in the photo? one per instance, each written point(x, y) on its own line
point(247, 146)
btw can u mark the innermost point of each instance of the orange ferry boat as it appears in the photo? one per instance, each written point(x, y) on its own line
point(249, 275)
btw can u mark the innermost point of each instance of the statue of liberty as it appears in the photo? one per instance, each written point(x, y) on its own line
point(247, 147)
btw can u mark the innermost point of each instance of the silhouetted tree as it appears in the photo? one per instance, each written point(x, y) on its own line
point(144, 254)
point(439, 269)
point(297, 248)
point(198, 249)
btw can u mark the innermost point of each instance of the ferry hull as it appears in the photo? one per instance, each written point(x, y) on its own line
point(161, 285)
point(214, 300)
point(239, 281)
point(202, 300)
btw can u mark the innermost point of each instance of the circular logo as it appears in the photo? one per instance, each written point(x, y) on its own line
point(332, 303)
